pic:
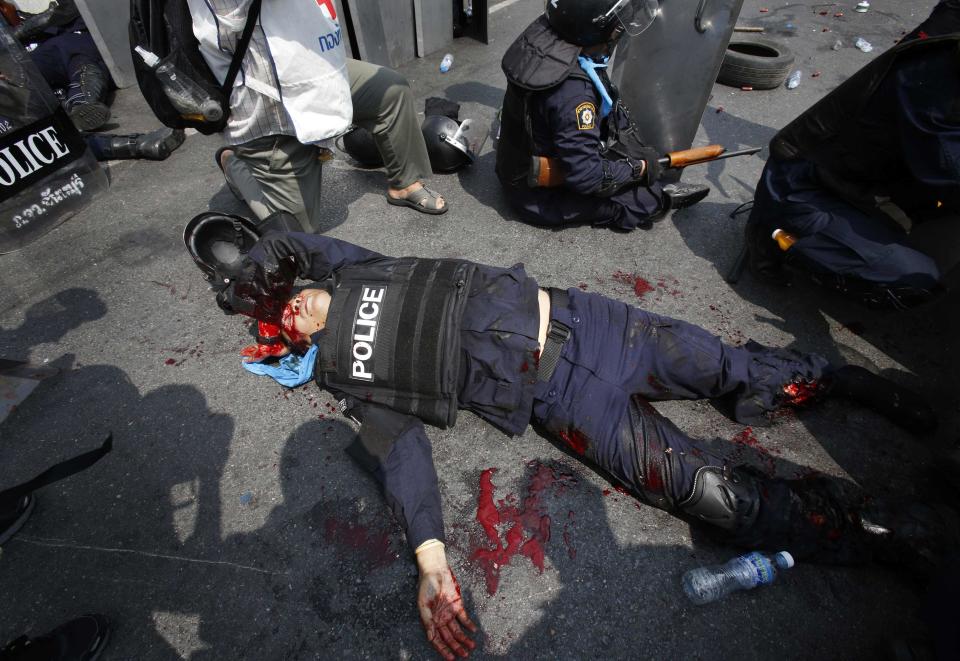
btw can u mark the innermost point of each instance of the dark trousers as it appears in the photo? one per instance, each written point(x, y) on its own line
point(60, 58)
point(835, 237)
point(620, 357)
point(628, 209)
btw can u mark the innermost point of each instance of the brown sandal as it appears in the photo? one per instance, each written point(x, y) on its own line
point(423, 200)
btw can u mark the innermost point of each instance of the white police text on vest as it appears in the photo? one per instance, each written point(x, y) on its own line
point(365, 331)
point(29, 154)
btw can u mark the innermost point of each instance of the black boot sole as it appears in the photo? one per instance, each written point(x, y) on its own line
point(682, 201)
point(89, 116)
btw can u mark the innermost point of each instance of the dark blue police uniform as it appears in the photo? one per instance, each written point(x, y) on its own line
point(553, 109)
point(567, 128)
point(856, 177)
point(62, 52)
point(615, 359)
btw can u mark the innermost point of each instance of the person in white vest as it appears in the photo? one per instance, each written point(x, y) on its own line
point(297, 91)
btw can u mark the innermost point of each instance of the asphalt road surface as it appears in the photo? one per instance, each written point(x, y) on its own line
point(228, 523)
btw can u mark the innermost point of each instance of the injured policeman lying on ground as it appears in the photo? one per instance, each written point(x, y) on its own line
point(406, 341)
point(562, 111)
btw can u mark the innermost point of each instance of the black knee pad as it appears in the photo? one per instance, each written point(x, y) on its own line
point(729, 500)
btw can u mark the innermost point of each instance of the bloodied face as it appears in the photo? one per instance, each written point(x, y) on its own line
point(304, 315)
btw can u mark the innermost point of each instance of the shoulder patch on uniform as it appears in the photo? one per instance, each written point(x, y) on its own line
point(586, 116)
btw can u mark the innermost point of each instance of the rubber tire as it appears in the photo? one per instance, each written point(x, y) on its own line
point(760, 63)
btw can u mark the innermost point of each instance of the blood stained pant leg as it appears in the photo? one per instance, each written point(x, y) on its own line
point(590, 405)
point(661, 358)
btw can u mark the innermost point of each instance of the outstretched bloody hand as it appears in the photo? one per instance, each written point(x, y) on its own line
point(441, 607)
point(254, 353)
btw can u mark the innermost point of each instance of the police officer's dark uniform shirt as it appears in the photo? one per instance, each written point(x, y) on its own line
point(617, 357)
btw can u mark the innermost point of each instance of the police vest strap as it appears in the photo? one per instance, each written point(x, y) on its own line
point(557, 335)
point(393, 335)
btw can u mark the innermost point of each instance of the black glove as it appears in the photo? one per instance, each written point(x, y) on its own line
point(257, 290)
point(650, 165)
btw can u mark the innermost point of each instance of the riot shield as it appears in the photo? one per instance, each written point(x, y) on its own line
point(47, 174)
point(665, 75)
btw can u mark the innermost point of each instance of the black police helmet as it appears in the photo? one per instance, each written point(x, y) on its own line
point(448, 148)
point(359, 143)
point(218, 242)
point(591, 22)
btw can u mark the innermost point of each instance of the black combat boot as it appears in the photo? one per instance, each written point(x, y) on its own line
point(85, 98)
point(155, 146)
point(900, 405)
point(816, 518)
point(681, 195)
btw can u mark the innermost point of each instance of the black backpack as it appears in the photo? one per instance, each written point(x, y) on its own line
point(165, 28)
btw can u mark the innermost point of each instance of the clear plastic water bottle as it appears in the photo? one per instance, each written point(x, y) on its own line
point(745, 572)
point(185, 95)
point(864, 45)
point(793, 82)
point(446, 63)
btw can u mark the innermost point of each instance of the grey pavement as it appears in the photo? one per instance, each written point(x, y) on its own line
point(228, 522)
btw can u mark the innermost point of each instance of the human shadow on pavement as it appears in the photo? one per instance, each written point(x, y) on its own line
point(50, 319)
point(136, 537)
point(476, 92)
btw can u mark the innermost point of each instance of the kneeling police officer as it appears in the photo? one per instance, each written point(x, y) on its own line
point(561, 108)
point(866, 182)
point(407, 341)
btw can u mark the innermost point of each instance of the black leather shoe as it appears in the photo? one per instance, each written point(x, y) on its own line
point(155, 146)
point(681, 195)
point(158, 145)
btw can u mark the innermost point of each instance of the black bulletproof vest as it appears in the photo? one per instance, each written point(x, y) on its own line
point(393, 335)
point(538, 60)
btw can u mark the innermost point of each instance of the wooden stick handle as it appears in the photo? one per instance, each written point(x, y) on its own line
point(683, 158)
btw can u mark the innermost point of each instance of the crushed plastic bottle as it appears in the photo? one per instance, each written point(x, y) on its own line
point(862, 7)
point(185, 94)
point(446, 63)
point(838, 44)
point(793, 82)
point(706, 584)
point(864, 45)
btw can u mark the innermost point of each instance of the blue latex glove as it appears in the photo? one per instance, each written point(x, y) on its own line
point(589, 67)
point(291, 371)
